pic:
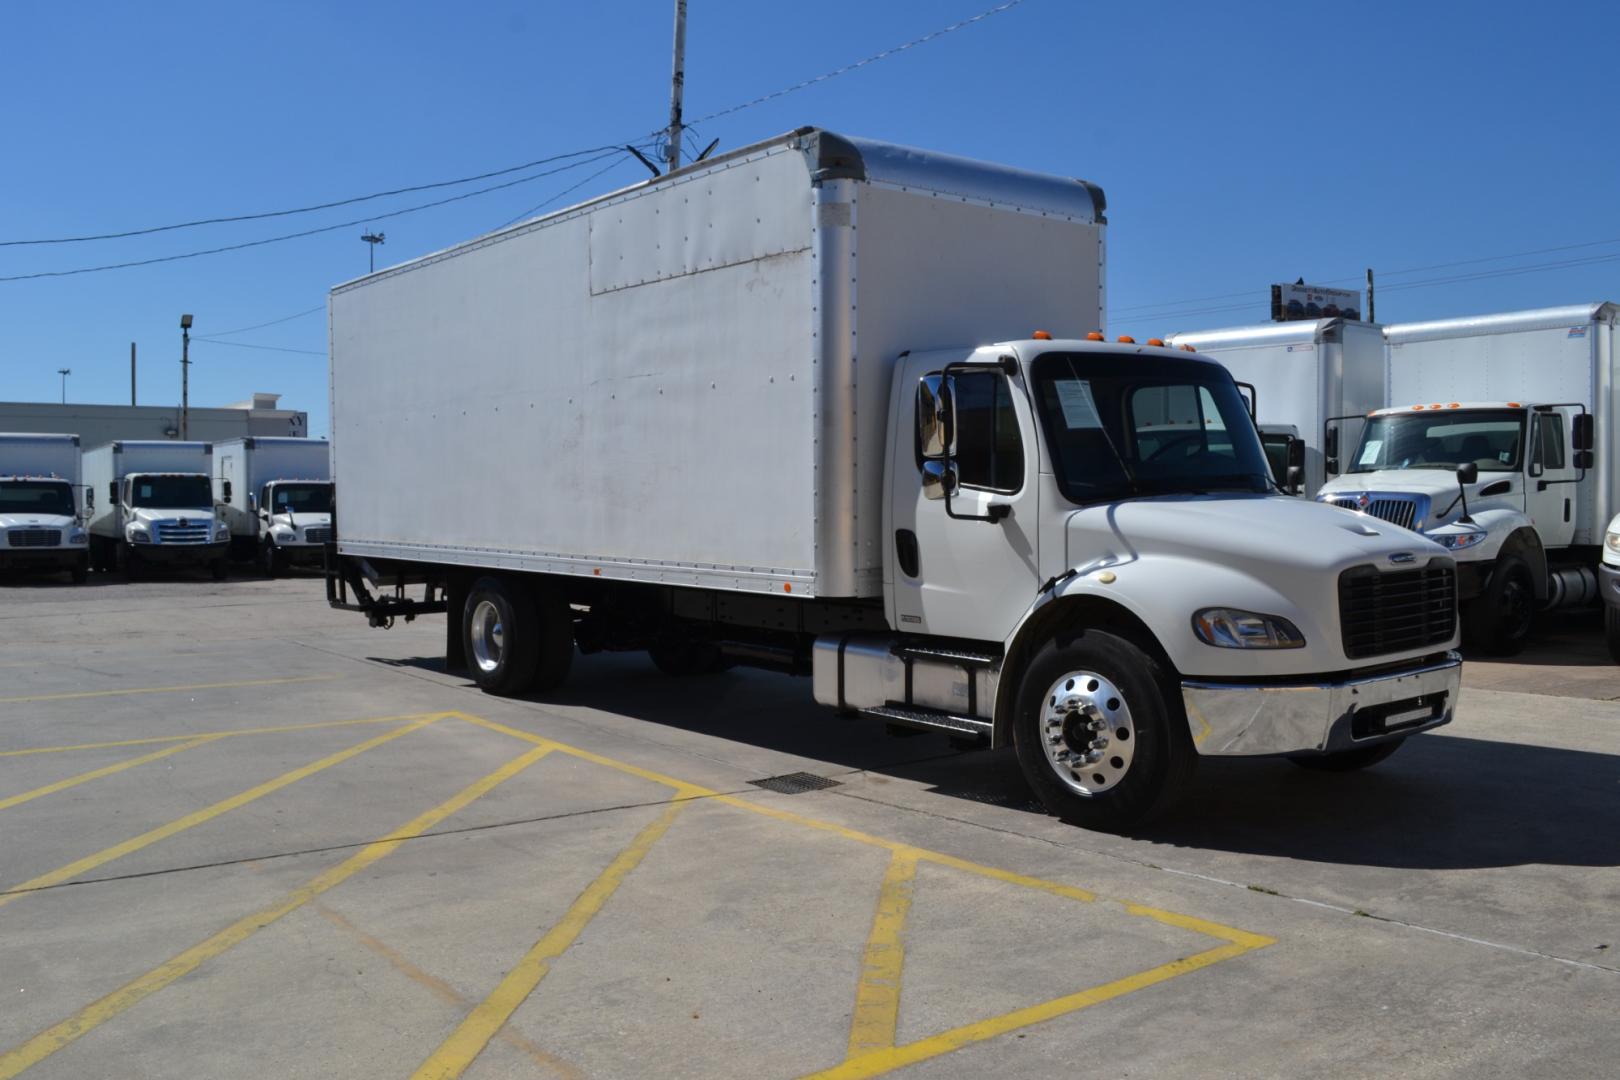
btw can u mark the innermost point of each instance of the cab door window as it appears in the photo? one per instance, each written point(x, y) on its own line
point(1549, 445)
point(989, 448)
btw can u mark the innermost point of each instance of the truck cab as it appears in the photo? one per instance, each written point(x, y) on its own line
point(169, 518)
point(41, 526)
point(295, 521)
point(1495, 483)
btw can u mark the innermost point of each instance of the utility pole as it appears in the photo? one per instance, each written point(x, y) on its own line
point(373, 239)
point(185, 377)
point(677, 87)
point(1371, 317)
point(64, 372)
point(132, 373)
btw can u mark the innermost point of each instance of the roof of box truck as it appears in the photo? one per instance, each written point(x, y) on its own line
point(1507, 322)
point(1264, 335)
point(829, 156)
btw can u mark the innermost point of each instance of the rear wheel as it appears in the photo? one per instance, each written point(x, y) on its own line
point(1361, 757)
point(516, 637)
point(1498, 620)
point(1611, 629)
point(1100, 738)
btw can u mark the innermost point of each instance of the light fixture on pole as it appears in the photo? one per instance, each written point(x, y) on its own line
point(64, 372)
point(185, 376)
point(373, 239)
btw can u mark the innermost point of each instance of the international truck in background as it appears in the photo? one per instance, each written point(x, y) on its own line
point(1500, 442)
point(797, 407)
point(275, 495)
point(151, 503)
point(40, 522)
point(1314, 382)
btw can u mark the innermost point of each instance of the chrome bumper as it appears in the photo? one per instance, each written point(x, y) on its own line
point(1234, 719)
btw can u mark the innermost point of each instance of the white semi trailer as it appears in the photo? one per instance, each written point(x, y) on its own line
point(158, 508)
point(41, 525)
point(1314, 382)
point(1500, 441)
point(796, 407)
point(275, 495)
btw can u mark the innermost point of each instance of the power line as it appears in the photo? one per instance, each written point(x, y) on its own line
point(531, 211)
point(306, 209)
point(615, 151)
point(847, 68)
point(266, 348)
point(261, 326)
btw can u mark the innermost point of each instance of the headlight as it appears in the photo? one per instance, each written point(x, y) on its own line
point(77, 537)
point(138, 535)
point(283, 535)
point(1611, 540)
point(1459, 541)
point(1229, 628)
point(222, 532)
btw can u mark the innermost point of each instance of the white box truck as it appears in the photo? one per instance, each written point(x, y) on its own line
point(797, 406)
point(275, 495)
point(40, 522)
point(1314, 381)
point(152, 504)
point(1487, 445)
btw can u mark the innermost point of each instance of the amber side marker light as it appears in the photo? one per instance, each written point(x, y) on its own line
point(1040, 335)
point(1095, 336)
point(1156, 341)
point(1126, 339)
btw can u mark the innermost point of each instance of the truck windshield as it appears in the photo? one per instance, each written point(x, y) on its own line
point(302, 498)
point(1119, 426)
point(171, 493)
point(36, 497)
point(1490, 438)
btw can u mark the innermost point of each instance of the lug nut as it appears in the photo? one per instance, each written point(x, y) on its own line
point(1099, 744)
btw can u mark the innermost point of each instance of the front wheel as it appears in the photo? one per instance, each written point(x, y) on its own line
point(80, 571)
point(1611, 629)
point(1360, 757)
point(269, 559)
point(1100, 736)
point(1498, 621)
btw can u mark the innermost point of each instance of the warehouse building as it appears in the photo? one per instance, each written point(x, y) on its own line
point(98, 424)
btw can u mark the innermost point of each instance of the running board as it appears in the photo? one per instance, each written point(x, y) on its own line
point(932, 719)
point(964, 658)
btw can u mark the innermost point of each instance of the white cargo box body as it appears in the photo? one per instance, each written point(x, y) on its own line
point(1305, 373)
point(686, 381)
point(1547, 356)
point(250, 463)
point(113, 461)
point(28, 454)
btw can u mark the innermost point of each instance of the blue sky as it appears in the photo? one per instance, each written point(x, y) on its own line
point(1239, 144)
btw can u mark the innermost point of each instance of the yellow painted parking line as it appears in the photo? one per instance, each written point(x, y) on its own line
point(166, 689)
point(108, 770)
point(51, 1040)
point(877, 996)
point(468, 1041)
point(210, 735)
point(163, 832)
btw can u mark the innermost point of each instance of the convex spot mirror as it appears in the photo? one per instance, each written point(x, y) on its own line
point(938, 478)
point(1581, 431)
point(226, 489)
point(936, 434)
point(1467, 473)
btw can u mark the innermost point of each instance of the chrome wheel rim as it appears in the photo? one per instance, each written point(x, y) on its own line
point(488, 636)
point(1086, 732)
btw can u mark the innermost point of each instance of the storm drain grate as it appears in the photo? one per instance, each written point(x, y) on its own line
point(794, 783)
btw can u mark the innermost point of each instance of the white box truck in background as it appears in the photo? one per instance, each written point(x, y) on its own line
point(40, 522)
point(275, 495)
point(796, 407)
point(1487, 445)
point(1314, 382)
point(152, 504)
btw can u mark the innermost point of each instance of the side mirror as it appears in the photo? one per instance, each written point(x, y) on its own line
point(938, 479)
point(1296, 454)
point(253, 504)
point(1583, 459)
point(1296, 478)
point(935, 437)
point(1468, 473)
point(225, 489)
point(1580, 431)
point(89, 498)
point(112, 492)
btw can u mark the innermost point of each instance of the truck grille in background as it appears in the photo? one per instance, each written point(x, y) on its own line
point(35, 537)
point(182, 532)
point(1381, 613)
point(1400, 512)
point(317, 536)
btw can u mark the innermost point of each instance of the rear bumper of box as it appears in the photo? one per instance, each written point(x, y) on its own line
point(1320, 717)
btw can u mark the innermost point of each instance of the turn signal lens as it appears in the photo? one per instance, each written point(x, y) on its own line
point(1041, 335)
point(1229, 628)
point(1156, 341)
point(1125, 339)
point(1095, 336)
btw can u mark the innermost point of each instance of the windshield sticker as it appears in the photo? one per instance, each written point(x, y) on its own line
point(1369, 451)
point(1079, 410)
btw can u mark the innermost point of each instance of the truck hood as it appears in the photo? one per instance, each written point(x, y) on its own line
point(38, 521)
point(303, 521)
point(1438, 485)
point(147, 516)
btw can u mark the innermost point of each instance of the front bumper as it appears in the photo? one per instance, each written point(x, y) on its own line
point(1278, 718)
point(1609, 584)
point(301, 554)
point(32, 558)
point(179, 553)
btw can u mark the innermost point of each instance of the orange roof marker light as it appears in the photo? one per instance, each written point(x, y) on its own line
point(1126, 339)
point(1156, 341)
point(1417, 408)
point(1455, 405)
point(1514, 405)
point(1095, 336)
point(1041, 335)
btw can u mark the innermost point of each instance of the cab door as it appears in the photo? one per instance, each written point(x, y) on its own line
point(1550, 488)
point(968, 569)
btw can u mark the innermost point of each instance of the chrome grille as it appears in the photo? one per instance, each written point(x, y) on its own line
point(1382, 613)
point(35, 537)
point(317, 536)
point(183, 532)
point(1402, 512)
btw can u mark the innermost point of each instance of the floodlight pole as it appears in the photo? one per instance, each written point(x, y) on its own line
point(372, 240)
point(185, 377)
point(672, 152)
point(64, 372)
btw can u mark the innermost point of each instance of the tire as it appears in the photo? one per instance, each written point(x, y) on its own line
point(1498, 621)
point(269, 560)
point(132, 566)
point(220, 568)
point(1611, 630)
point(516, 637)
point(80, 571)
point(681, 658)
point(1148, 761)
point(1361, 757)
